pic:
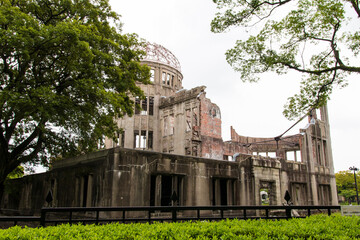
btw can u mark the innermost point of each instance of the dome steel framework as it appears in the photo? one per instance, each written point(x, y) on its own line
point(157, 53)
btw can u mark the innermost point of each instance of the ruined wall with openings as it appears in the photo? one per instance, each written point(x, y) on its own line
point(191, 124)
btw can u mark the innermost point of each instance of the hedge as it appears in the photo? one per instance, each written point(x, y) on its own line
point(314, 227)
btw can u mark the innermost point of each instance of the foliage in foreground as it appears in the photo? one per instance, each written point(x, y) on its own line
point(66, 72)
point(314, 227)
point(317, 38)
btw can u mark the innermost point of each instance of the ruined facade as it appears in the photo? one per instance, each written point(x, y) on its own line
point(172, 146)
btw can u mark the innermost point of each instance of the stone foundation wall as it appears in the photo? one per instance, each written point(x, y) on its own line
point(127, 177)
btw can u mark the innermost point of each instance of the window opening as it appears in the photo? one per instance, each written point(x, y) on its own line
point(137, 105)
point(264, 196)
point(223, 191)
point(144, 107)
point(220, 191)
point(166, 190)
point(136, 139)
point(298, 155)
point(166, 182)
point(318, 153)
point(150, 141)
point(263, 154)
point(172, 80)
point(152, 76)
point(140, 140)
point(143, 139)
point(318, 113)
point(163, 78)
point(228, 157)
point(290, 156)
point(268, 188)
point(272, 154)
point(152, 190)
point(122, 143)
point(168, 79)
point(151, 106)
point(101, 142)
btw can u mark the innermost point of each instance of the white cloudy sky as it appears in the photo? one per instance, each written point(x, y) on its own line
point(254, 109)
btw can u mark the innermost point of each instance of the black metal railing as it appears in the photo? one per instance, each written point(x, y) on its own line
point(100, 215)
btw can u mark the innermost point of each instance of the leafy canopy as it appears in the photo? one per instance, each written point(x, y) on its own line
point(319, 38)
point(345, 183)
point(66, 72)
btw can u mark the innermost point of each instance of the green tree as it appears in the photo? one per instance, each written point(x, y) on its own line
point(16, 173)
point(318, 38)
point(66, 72)
point(345, 183)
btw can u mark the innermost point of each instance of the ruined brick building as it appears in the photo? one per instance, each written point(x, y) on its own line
point(173, 144)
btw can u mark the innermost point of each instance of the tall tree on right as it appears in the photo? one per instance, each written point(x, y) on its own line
point(319, 38)
point(345, 184)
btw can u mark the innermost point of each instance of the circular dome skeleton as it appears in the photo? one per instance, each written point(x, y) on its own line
point(157, 53)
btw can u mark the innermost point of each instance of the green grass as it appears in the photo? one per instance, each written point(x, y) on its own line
point(314, 227)
point(346, 203)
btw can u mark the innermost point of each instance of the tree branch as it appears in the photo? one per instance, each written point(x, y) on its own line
point(323, 88)
point(278, 4)
point(15, 162)
point(355, 4)
point(333, 45)
point(319, 72)
point(23, 146)
point(37, 148)
point(3, 143)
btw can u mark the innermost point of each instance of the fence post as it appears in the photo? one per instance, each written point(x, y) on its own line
point(288, 212)
point(267, 213)
point(42, 217)
point(97, 217)
point(70, 217)
point(173, 215)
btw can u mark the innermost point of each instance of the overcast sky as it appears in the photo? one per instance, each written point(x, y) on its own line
point(253, 109)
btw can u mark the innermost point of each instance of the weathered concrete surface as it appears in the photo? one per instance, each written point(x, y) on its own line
point(127, 177)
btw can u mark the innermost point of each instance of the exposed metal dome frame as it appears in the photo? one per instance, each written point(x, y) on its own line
point(159, 54)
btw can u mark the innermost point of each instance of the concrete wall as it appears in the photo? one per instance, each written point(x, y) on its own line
point(127, 177)
point(143, 120)
point(191, 124)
